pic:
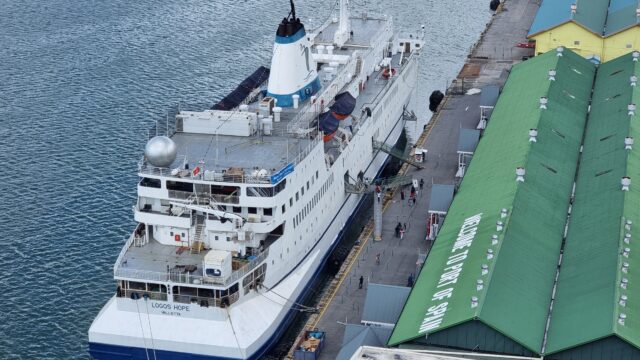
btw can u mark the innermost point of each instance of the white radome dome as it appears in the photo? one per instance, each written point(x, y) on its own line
point(161, 151)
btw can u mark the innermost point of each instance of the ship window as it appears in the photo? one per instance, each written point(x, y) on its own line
point(284, 208)
point(252, 210)
point(307, 185)
point(180, 186)
point(316, 174)
point(149, 182)
point(237, 209)
point(577, 42)
point(171, 233)
point(267, 211)
point(182, 234)
point(228, 238)
point(216, 237)
point(297, 196)
point(302, 190)
point(136, 285)
point(290, 201)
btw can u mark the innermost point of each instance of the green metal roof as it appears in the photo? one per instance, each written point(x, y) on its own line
point(621, 16)
point(586, 305)
point(590, 14)
point(517, 289)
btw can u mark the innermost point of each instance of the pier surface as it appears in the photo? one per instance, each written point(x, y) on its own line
point(487, 64)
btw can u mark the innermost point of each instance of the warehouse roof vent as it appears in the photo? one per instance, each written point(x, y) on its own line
point(559, 50)
point(623, 300)
point(625, 267)
point(543, 102)
point(624, 282)
point(626, 183)
point(628, 143)
point(633, 80)
point(627, 224)
point(574, 8)
point(479, 284)
point(621, 318)
point(494, 239)
point(520, 172)
point(635, 55)
point(503, 213)
point(626, 252)
point(533, 135)
point(627, 238)
point(485, 269)
point(552, 75)
point(474, 301)
point(489, 254)
point(632, 109)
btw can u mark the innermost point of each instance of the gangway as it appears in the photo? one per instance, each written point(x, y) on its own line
point(377, 145)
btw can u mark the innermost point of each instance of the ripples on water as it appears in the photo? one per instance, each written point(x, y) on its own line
point(80, 84)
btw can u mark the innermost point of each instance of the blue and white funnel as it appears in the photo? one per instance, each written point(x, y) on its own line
point(293, 70)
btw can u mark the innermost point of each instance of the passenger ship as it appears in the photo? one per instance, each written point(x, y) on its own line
point(240, 206)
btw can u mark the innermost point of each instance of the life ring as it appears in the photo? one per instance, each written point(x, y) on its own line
point(388, 72)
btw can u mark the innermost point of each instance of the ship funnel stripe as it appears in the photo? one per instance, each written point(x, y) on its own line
point(291, 39)
point(286, 100)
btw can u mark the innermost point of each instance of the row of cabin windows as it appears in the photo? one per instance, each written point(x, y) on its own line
point(313, 179)
point(313, 202)
point(252, 210)
point(215, 189)
point(235, 209)
point(184, 290)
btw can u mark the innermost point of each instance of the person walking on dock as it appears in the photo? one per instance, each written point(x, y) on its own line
point(402, 230)
point(410, 280)
point(398, 227)
point(421, 184)
point(402, 194)
point(360, 282)
point(378, 259)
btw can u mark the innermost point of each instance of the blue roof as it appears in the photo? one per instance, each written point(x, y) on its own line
point(622, 15)
point(590, 14)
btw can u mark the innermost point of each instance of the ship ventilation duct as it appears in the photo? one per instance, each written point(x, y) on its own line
point(293, 70)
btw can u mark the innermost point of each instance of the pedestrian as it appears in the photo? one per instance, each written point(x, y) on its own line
point(378, 259)
point(402, 194)
point(405, 226)
point(402, 233)
point(410, 281)
point(413, 190)
point(414, 200)
point(421, 184)
point(361, 281)
point(398, 227)
point(379, 195)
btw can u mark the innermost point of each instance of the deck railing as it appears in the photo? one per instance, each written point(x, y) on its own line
point(124, 273)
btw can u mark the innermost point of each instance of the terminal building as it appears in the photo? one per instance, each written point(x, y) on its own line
point(599, 30)
point(539, 251)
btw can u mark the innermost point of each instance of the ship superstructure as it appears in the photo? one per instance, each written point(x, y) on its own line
point(240, 205)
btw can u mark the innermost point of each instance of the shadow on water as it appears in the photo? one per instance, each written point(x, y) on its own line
point(339, 254)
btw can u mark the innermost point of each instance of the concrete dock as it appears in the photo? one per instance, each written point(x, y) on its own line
point(488, 64)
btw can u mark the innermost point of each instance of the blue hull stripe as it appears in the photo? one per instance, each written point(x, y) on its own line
point(114, 352)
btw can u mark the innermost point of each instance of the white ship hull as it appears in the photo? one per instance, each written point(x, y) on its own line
point(279, 233)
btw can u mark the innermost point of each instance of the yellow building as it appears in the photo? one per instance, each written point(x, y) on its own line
point(622, 33)
point(601, 30)
point(572, 36)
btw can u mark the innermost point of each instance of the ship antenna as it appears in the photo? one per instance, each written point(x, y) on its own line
point(293, 10)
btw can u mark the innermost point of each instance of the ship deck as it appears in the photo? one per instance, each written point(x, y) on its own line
point(154, 257)
point(271, 152)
